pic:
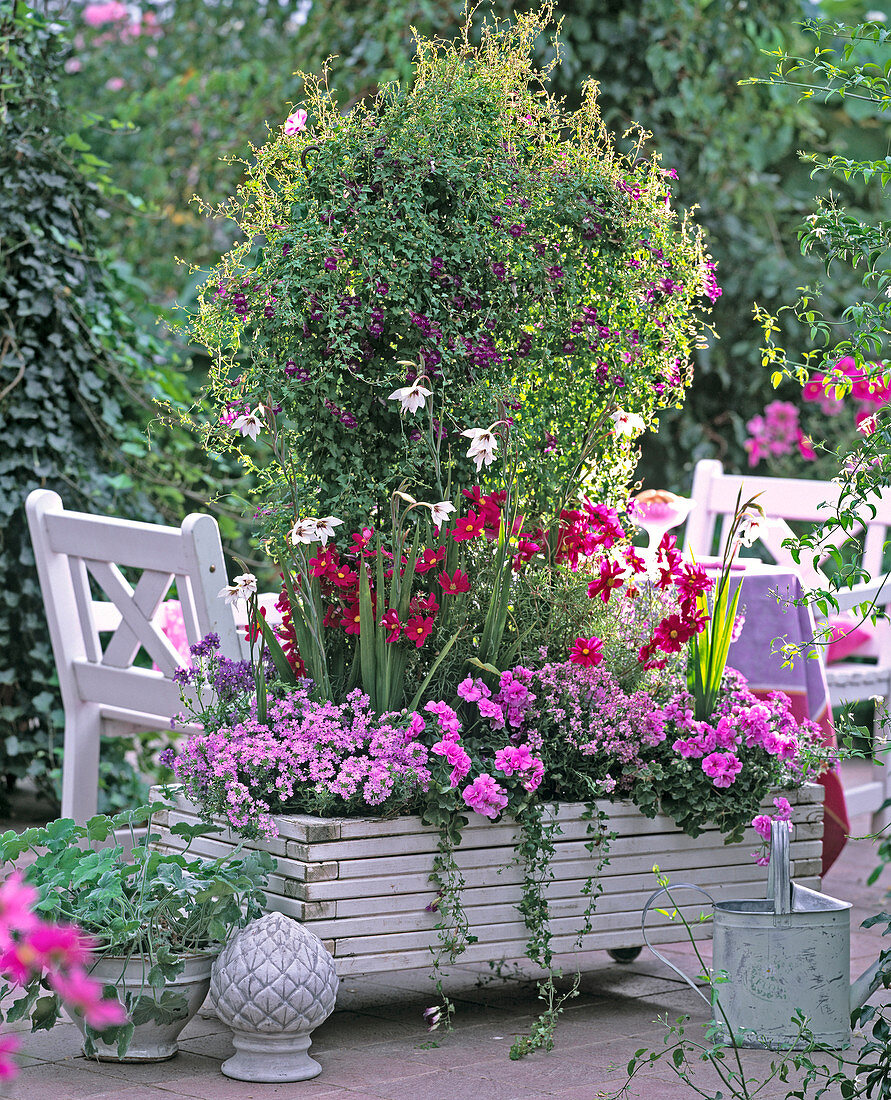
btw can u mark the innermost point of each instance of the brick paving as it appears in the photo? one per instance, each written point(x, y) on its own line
point(375, 1046)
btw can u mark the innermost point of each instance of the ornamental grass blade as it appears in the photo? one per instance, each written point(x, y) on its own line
point(282, 667)
point(367, 654)
point(439, 659)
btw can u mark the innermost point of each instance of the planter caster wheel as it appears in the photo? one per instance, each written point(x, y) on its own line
point(624, 954)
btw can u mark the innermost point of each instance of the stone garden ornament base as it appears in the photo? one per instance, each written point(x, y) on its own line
point(272, 985)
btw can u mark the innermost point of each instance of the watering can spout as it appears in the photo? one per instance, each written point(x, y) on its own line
point(868, 982)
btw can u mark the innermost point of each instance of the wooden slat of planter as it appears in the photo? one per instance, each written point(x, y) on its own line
point(564, 948)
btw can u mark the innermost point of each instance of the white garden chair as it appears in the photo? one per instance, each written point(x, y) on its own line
point(96, 640)
point(786, 500)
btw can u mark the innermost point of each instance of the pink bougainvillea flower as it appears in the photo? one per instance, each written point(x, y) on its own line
point(587, 652)
point(95, 15)
point(295, 122)
point(455, 584)
point(418, 628)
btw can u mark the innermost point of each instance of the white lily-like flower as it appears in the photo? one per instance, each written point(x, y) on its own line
point(411, 397)
point(325, 528)
point(441, 512)
point(754, 526)
point(304, 532)
point(627, 424)
point(242, 588)
point(250, 423)
point(483, 445)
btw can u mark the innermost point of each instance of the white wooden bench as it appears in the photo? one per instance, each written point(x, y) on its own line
point(95, 641)
point(785, 501)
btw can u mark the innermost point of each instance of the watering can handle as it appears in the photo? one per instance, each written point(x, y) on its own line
point(779, 876)
point(658, 954)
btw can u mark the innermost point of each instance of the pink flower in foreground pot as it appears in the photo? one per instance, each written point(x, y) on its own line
point(722, 768)
point(295, 122)
point(587, 652)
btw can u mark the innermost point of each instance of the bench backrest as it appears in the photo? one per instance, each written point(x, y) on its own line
point(95, 641)
point(784, 500)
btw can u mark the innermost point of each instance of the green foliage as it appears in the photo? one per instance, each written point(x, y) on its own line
point(465, 233)
point(77, 381)
point(160, 905)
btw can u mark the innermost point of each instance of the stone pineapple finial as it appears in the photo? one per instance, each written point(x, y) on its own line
point(273, 983)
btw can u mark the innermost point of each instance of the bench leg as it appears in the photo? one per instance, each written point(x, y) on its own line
point(80, 763)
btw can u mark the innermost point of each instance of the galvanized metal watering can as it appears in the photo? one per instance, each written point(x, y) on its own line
point(782, 955)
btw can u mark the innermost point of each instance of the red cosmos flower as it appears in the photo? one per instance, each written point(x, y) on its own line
point(344, 577)
point(468, 527)
point(252, 629)
point(612, 575)
point(587, 652)
point(390, 622)
point(526, 551)
point(454, 585)
point(420, 604)
point(673, 633)
point(350, 620)
point(325, 562)
point(361, 539)
point(418, 629)
point(429, 558)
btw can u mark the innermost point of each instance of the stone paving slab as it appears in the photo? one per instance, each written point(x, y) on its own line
point(375, 1046)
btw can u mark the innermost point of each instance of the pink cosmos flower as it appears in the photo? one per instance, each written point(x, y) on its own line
point(587, 652)
point(485, 796)
point(295, 122)
point(418, 628)
point(390, 622)
point(455, 584)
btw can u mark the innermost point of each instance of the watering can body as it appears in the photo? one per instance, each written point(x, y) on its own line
point(775, 958)
point(777, 964)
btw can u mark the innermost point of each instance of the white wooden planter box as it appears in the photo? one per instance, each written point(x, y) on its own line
point(362, 884)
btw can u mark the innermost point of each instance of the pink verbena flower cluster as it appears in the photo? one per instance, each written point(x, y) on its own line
point(306, 752)
point(60, 953)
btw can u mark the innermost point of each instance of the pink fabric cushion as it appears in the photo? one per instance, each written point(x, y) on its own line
point(848, 635)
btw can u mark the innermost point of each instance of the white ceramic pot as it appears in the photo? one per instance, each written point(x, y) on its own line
point(151, 1041)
